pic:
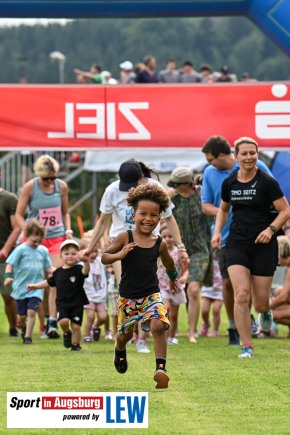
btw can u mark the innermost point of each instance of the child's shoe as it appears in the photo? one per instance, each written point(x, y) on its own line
point(141, 347)
point(204, 329)
point(108, 334)
point(247, 352)
point(214, 333)
point(172, 340)
point(76, 347)
point(96, 332)
point(27, 340)
point(87, 339)
point(13, 332)
point(120, 362)
point(67, 339)
point(161, 378)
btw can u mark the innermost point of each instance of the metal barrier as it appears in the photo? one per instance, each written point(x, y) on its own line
point(17, 167)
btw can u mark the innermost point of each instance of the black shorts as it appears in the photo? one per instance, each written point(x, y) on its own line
point(261, 259)
point(23, 305)
point(74, 314)
point(222, 263)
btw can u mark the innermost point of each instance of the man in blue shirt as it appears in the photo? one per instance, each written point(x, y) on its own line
point(222, 163)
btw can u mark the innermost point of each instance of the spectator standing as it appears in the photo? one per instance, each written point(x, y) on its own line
point(94, 74)
point(195, 231)
point(224, 75)
point(109, 80)
point(127, 75)
point(222, 163)
point(260, 209)
point(8, 236)
point(148, 75)
point(140, 298)
point(170, 74)
point(189, 75)
point(28, 263)
point(45, 198)
point(206, 73)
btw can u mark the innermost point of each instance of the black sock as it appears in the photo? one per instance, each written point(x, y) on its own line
point(160, 363)
point(120, 353)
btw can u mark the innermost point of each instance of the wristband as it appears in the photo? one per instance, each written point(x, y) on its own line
point(172, 274)
point(69, 232)
point(8, 275)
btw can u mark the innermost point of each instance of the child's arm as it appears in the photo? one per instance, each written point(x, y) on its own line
point(86, 266)
point(39, 285)
point(171, 270)
point(118, 249)
point(8, 275)
point(49, 271)
point(184, 277)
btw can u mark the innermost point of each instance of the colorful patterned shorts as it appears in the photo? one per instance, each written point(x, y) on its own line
point(131, 311)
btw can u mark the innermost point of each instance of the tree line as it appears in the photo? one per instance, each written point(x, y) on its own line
point(218, 41)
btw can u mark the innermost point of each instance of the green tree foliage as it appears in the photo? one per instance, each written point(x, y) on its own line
point(235, 42)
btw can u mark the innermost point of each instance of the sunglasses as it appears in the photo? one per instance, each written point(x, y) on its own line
point(48, 178)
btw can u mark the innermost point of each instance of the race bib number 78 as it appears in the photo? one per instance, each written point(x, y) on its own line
point(50, 217)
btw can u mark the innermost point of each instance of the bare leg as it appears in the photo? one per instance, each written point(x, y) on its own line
point(158, 332)
point(193, 308)
point(10, 310)
point(122, 339)
point(241, 280)
point(216, 312)
point(76, 333)
point(173, 318)
point(31, 315)
point(90, 318)
point(228, 295)
point(205, 309)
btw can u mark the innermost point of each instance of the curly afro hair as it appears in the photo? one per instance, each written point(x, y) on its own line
point(148, 192)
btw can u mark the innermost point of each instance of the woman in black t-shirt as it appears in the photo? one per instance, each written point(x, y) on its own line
point(259, 211)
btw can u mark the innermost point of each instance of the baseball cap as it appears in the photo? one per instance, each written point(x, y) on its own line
point(130, 173)
point(69, 242)
point(126, 65)
point(224, 69)
point(180, 175)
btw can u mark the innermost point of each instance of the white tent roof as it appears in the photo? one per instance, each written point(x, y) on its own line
point(160, 159)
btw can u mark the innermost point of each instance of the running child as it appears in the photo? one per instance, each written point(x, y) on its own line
point(70, 295)
point(28, 263)
point(140, 298)
point(95, 287)
point(172, 301)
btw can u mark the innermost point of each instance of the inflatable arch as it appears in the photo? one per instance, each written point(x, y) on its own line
point(271, 16)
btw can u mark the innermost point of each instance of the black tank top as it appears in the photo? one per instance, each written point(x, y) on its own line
point(139, 271)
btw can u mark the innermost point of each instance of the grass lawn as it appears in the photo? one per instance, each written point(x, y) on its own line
point(211, 391)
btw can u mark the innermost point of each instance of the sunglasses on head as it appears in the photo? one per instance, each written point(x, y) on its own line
point(48, 178)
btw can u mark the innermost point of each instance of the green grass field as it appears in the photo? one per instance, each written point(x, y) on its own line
point(211, 391)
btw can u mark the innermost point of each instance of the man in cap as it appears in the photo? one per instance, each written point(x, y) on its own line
point(195, 230)
point(224, 75)
point(127, 74)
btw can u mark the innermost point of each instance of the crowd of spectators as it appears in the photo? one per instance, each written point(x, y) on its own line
point(147, 72)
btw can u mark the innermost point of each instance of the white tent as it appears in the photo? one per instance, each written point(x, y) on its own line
point(160, 159)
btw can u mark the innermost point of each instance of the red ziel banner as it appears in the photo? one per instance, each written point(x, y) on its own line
point(93, 116)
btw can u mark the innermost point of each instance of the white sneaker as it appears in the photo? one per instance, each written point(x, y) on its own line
point(172, 340)
point(265, 321)
point(141, 347)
